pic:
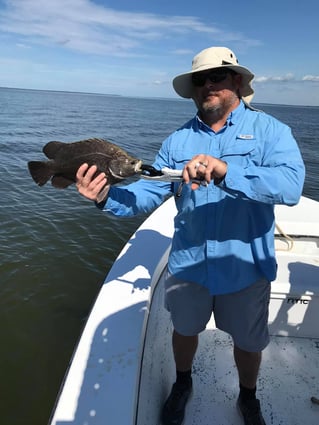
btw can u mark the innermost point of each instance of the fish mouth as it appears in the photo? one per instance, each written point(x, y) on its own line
point(138, 167)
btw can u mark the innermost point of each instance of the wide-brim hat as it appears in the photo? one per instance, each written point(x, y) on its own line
point(214, 57)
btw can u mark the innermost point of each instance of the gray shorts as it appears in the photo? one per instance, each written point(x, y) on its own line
point(243, 314)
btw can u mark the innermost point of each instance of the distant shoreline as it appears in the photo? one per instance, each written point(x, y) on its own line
point(143, 97)
point(61, 91)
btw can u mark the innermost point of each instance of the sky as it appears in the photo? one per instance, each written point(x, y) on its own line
point(136, 47)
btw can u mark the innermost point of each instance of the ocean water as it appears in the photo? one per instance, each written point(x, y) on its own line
point(55, 246)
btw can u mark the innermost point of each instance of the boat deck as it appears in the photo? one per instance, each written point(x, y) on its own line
point(288, 379)
point(289, 376)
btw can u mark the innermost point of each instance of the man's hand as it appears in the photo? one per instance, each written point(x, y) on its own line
point(95, 189)
point(204, 167)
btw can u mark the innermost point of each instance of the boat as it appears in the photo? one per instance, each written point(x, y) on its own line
point(122, 369)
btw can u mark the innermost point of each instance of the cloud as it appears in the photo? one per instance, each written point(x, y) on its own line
point(182, 52)
point(313, 78)
point(283, 78)
point(22, 46)
point(88, 27)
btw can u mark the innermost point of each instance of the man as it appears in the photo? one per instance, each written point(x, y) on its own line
point(222, 258)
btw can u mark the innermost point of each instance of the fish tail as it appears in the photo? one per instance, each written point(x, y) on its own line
point(41, 171)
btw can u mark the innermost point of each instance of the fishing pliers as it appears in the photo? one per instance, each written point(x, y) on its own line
point(164, 175)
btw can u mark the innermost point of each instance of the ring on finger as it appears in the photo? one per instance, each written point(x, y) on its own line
point(198, 164)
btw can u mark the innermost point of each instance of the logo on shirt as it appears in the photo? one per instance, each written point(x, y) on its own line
point(245, 136)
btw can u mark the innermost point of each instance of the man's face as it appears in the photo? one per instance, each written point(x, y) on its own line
point(216, 91)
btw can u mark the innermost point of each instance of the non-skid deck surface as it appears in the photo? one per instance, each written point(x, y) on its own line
point(289, 376)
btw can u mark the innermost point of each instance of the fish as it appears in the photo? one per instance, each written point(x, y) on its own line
point(65, 158)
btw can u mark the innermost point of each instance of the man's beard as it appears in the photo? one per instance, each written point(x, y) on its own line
point(207, 108)
point(218, 108)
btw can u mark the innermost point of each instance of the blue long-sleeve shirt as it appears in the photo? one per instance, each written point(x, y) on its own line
point(224, 234)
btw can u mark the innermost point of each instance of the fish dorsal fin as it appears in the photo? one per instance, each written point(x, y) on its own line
point(52, 148)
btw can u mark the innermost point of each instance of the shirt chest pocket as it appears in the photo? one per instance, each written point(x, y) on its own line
point(180, 157)
point(241, 153)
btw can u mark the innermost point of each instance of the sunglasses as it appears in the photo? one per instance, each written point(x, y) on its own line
point(199, 78)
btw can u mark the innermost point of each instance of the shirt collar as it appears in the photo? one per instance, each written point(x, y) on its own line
point(236, 114)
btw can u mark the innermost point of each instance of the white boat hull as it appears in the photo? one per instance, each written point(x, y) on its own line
point(123, 367)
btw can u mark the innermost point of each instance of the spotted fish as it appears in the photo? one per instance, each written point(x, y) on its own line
point(66, 158)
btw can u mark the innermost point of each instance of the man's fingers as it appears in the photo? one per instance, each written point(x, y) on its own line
point(99, 179)
point(81, 172)
point(195, 185)
point(88, 176)
point(204, 168)
point(88, 184)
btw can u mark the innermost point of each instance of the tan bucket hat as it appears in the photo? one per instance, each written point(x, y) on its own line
point(214, 57)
